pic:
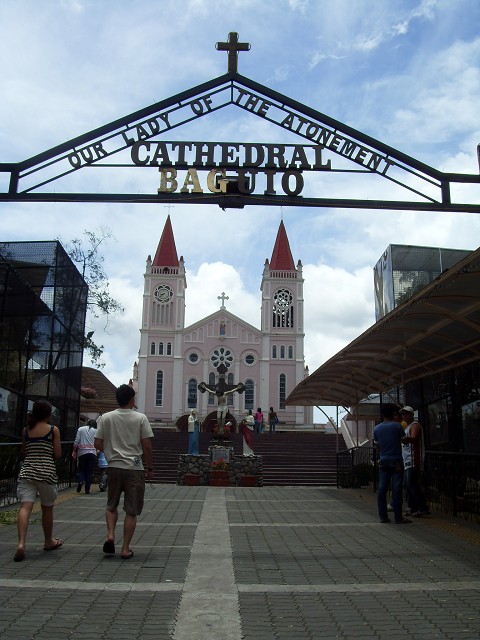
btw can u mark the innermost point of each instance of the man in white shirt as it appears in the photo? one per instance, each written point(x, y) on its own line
point(124, 435)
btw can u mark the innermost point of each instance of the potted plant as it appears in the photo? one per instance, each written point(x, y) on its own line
point(191, 479)
point(219, 473)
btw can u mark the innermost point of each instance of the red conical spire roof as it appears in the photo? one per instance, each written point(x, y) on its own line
point(166, 255)
point(282, 256)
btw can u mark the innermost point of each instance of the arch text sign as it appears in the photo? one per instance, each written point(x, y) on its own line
point(308, 172)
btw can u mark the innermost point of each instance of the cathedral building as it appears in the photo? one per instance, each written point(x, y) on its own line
point(174, 359)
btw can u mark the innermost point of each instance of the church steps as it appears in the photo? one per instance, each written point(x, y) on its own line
point(289, 458)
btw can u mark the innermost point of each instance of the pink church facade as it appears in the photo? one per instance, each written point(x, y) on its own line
point(174, 359)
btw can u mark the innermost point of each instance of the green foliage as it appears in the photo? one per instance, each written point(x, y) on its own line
point(8, 517)
point(85, 253)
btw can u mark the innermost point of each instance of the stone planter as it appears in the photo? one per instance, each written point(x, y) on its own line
point(219, 478)
point(191, 479)
point(247, 481)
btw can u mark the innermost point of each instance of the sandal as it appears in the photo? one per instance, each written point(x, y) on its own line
point(57, 545)
point(19, 556)
point(109, 547)
point(129, 556)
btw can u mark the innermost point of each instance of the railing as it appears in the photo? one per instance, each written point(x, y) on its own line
point(10, 463)
point(453, 483)
point(357, 467)
point(452, 480)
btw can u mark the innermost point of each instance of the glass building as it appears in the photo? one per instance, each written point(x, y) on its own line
point(43, 303)
point(405, 269)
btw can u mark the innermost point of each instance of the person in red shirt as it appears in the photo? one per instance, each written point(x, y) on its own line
point(258, 421)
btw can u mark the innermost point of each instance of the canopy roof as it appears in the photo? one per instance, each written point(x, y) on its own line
point(437, 329)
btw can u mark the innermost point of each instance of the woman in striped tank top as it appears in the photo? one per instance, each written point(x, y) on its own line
point(41, 446)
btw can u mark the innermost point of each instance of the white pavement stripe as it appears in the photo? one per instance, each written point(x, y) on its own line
point(379, 587)
point(209, 607)
point(146, 523)
point(143, 523)
point(220, 600)
point(37, 545)
point(320, 525)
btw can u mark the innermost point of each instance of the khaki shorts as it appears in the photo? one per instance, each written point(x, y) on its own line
point(27, 492)
point(129, 482)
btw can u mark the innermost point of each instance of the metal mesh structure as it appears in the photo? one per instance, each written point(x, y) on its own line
point(43, 302)
point(404, 269)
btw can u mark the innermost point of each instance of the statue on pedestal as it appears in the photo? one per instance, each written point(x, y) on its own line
point(222, 390)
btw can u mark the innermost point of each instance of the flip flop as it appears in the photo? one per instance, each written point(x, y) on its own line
point(129, 556)
point(58, 544)
point(19, 556)
point(109, 547)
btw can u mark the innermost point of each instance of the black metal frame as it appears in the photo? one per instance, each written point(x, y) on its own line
point(27, 178)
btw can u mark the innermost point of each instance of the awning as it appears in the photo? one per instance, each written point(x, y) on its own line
point(436, 330)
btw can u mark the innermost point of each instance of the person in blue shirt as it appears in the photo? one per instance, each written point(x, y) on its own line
point(388, 436)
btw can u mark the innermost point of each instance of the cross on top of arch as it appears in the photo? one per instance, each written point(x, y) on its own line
point(233, 46)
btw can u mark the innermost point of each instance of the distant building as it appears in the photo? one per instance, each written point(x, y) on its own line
point(405, 269)
point(43, 302)
point(174, 359)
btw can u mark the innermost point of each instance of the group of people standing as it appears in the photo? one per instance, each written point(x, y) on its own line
point(399, 439)
point(260, 420)
point(124, 436)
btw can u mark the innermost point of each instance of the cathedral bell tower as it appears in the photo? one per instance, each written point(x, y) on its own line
point(283, 363)
point(163, 319)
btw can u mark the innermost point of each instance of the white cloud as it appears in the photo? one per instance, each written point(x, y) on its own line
point(406, 75)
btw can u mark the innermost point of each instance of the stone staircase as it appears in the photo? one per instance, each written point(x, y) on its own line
point(298, 458)
point(289, 457)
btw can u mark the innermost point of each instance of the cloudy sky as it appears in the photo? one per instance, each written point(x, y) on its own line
point(406, 72)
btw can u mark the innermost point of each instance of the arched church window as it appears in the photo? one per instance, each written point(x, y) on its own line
point(152, 349)
point(249, 394)
point(282, 352)
point(221, 355)
point(169, 348)
point(282, 391)
point(160, 348)
point(192, 394)
point(282, 309)
point(211, 383)
point(290, 352)
point(274, 351)
point(159, 389)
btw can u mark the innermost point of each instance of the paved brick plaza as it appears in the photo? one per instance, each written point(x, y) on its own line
point(258, 564)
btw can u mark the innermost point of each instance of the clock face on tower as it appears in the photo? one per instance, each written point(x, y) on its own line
point(163, 293)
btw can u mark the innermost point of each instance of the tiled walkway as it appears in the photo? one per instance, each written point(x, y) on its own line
point(258, 564)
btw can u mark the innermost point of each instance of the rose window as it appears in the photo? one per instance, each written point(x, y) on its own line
point(221, 356)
